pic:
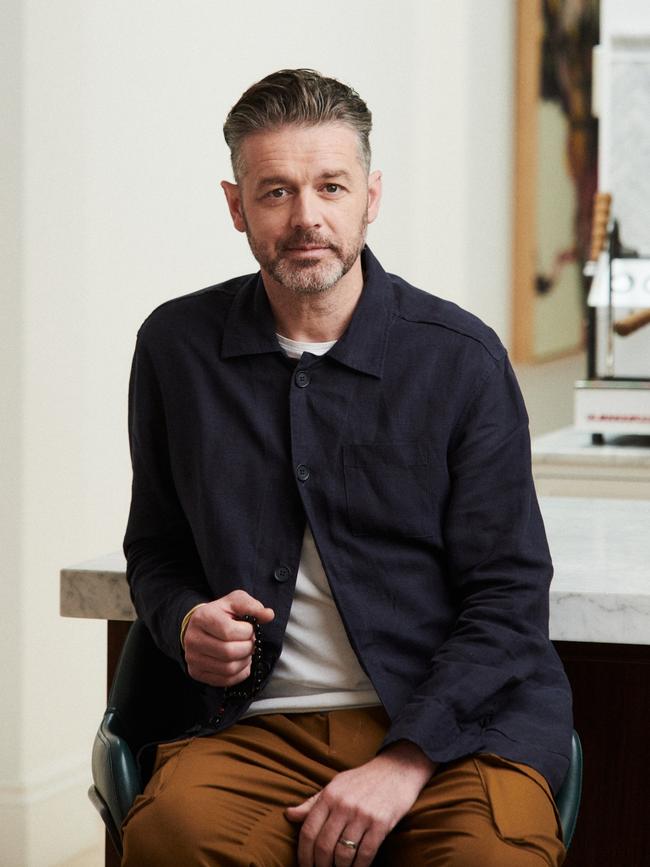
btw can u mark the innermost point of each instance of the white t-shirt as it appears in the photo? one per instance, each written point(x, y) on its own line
point(317, 669)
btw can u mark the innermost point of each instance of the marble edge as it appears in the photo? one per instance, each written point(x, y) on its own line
point(75, 573)
point(573, 616)
point(600, 618)
point(113, 562)
point(614, 600)
point(98, 594)
point(98, 590)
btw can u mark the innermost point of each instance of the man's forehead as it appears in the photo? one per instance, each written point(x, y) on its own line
point(326, 149)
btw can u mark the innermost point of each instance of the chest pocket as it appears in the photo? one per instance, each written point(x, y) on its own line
point(389, 489)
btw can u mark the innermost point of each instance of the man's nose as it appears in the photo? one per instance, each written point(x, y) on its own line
point(306, 212)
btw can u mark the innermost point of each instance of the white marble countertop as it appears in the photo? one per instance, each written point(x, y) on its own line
point(97, 589)
point(600, 592)
point(601, 553)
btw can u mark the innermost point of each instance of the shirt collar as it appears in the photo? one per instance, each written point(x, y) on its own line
point(250, 326)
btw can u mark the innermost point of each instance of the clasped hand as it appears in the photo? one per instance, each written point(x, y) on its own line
point(218, 646)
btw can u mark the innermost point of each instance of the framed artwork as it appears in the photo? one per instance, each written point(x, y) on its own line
point(556, 142)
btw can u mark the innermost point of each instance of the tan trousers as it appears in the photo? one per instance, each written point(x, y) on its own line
point(219, 801)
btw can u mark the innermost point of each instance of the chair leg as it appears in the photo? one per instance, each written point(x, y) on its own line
point(111, 856)
point(113, 836)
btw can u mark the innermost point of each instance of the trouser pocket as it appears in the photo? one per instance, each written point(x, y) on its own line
point(522, 805)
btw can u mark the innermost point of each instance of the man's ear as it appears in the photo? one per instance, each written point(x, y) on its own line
point(233, 197)
point(374, 195)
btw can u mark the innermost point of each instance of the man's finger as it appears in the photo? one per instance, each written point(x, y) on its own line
point(311, 827)
point(300, 812)
point(206, 645)
point(240, 603)
point(222, 618)
point(368, 845)
point(212, 622)
point(216, 677)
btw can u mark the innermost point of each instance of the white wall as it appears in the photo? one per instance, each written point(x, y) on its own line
point(113, 165)
point(11, 590)
point(623, 17)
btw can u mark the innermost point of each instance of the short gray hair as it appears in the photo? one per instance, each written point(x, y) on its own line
point(302, 97)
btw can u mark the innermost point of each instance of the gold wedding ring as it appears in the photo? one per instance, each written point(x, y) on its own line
point(349, 844)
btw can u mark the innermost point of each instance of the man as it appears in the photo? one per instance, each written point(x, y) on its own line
point(344, 461)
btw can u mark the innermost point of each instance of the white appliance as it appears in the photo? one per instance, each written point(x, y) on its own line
point(615, 398)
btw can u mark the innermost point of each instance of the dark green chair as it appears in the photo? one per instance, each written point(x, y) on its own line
point(152, 700)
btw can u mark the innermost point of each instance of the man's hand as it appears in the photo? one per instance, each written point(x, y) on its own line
point(362, 805)
point(218, 646)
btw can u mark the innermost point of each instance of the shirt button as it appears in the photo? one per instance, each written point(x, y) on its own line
point(302, 472)
point(302, 379)
point(282, 574)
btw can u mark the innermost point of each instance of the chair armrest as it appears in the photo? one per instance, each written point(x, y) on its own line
point(115, 772)
point(568, 798)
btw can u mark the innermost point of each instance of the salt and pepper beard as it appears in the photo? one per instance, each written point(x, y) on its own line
point(308, 275)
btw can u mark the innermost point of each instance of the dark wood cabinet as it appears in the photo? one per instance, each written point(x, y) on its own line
point(611, 696)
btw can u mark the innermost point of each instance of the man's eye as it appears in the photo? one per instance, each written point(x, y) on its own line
point(279, 193)
point(332, 188)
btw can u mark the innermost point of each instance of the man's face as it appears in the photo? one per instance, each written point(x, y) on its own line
point(304, 202)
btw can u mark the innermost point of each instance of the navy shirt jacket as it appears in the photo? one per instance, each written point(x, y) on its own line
point(406, 448)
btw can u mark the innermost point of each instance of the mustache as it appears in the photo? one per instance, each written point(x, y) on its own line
point(305, 236)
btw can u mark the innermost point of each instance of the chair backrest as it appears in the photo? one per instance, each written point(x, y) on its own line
point(152, 699)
